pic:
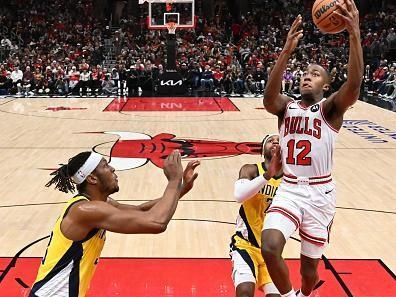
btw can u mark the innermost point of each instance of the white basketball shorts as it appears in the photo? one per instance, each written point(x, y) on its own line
point(308, 208)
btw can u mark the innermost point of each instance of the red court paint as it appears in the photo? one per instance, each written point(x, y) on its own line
point(357, 274)
point(218, 104)
point(116, 105)
point(150, 277)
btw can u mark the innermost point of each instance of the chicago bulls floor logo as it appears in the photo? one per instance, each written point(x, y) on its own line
point(132, 150)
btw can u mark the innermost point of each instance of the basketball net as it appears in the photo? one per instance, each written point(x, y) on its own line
point(171, 26)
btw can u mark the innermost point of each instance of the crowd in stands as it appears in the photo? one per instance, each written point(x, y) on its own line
point(57, 47)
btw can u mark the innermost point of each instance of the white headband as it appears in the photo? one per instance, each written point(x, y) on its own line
point(85, 170)
point(266, 138)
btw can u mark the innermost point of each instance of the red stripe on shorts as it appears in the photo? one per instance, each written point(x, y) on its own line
point(287, 214)
point(313, 239)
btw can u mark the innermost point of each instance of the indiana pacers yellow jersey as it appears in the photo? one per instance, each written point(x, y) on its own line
point(250, 220)
point(68, 266)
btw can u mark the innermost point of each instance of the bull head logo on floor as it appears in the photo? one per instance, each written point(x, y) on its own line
point(133, 150)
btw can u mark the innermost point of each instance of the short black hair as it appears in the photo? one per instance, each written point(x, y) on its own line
point(62, 176)
point(326, 73)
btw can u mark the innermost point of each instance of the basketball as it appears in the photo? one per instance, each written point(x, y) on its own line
point(323, 17)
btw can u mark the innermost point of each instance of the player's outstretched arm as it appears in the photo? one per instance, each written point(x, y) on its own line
point(250, 182)
point(273, 100)
point(350, 90)
point(189, 176)
point(103, 215)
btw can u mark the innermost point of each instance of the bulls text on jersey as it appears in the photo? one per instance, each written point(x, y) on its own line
point(303, 125)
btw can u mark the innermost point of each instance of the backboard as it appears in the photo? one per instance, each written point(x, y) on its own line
point(161, 12)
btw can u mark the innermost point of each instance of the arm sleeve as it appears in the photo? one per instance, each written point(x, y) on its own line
point(245, 189)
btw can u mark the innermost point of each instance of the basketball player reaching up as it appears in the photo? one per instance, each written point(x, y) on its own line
point(305, 199)
point(79, 233)
point(255, 188)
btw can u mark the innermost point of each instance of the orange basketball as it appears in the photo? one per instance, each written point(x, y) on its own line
point(323, 17)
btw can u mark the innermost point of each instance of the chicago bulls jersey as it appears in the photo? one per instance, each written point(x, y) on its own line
point(307, 141)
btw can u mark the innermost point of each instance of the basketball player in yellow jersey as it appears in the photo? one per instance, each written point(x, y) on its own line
point(256, 186)
point(80, 231)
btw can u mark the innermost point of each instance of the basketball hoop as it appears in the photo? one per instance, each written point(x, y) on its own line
point(171, 26)
point(162, 14)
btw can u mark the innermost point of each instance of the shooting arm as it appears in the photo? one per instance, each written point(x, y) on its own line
point(274, 101)
point(350, 90)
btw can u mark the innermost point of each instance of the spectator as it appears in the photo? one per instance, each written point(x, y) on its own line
point(239, 82)
point(108, 86)
point(74, 79)
point(195, 75)
point(27, 82)
point(228, 81)
point(218, 77)
point(242, 42)
point(5, 82)
point(297, 74)
point(207, 80)
point(16, 77)
point(61, 86)
point(132, 81)
point(287, 82)
point(379, 76)
point(85, 81)
point(387, 88)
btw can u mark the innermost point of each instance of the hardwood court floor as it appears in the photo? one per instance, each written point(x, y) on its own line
point(34, 139)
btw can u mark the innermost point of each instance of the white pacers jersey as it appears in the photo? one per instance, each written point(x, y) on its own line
point(307, 141)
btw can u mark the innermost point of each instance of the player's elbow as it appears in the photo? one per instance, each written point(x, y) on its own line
point(268, 98)
point(159, 228)
point(239, 200)
point(155, 227)
point(158, 224)
point(238, 196)
point(269, 105)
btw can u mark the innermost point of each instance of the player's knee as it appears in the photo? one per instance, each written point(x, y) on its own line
point(271, 245)
point(270, 252)
point(245, 290)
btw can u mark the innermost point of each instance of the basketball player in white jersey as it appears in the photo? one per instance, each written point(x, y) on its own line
point(79, 233)
point(305, 200)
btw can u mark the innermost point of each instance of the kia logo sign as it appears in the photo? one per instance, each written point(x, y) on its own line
point(171, 82)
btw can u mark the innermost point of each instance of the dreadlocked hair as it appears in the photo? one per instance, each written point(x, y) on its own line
point(62, 176)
